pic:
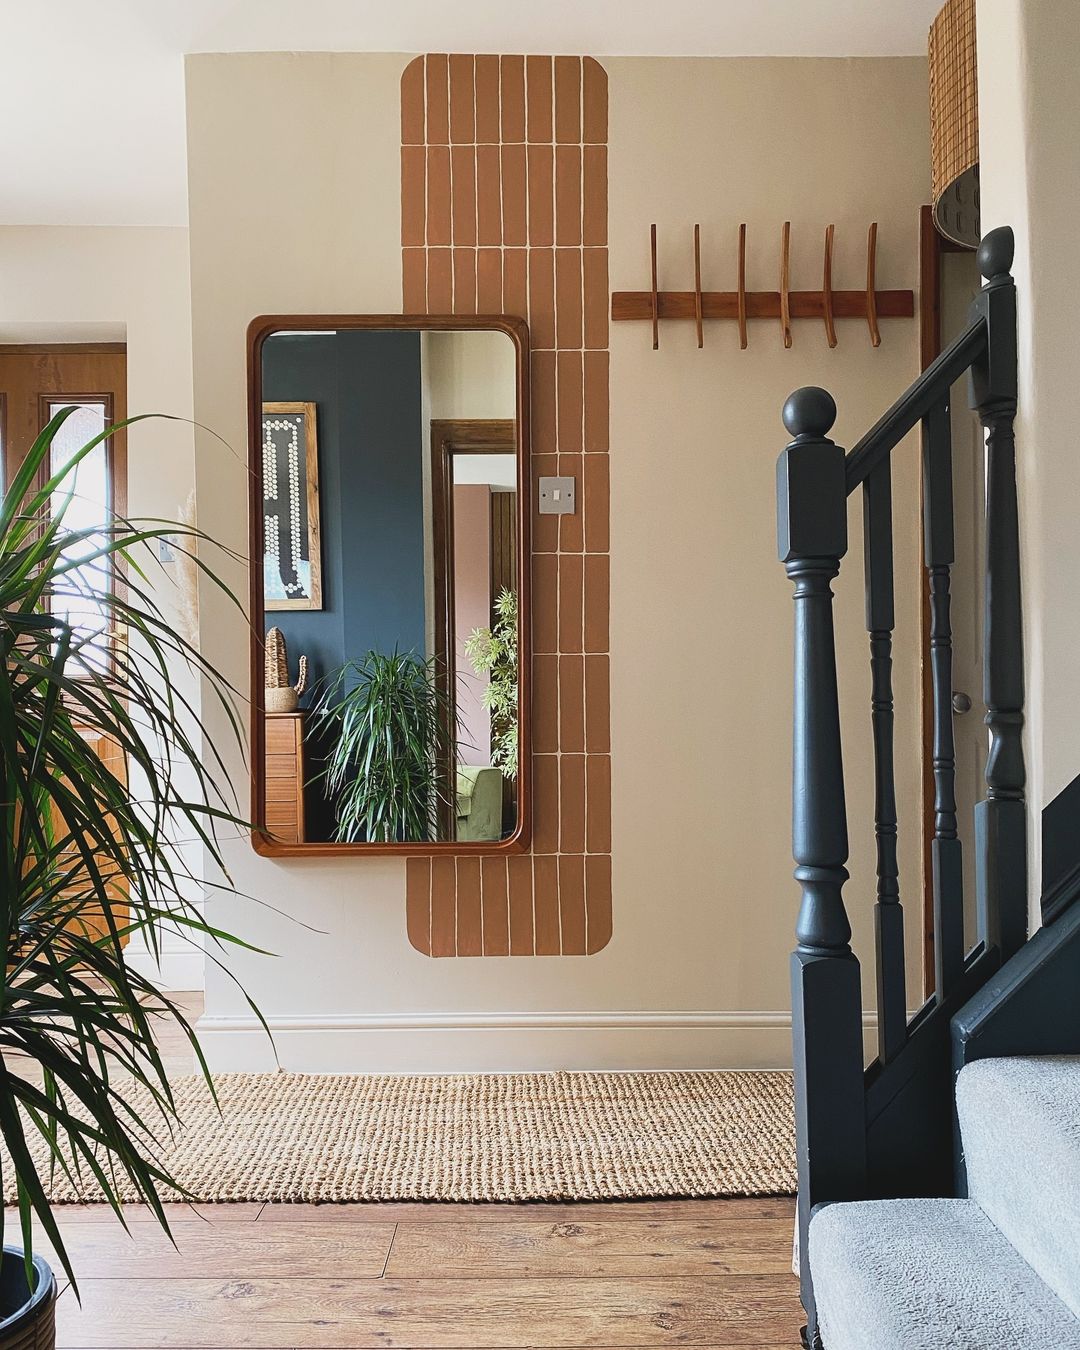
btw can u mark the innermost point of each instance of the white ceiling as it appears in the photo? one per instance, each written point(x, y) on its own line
point(92, 93)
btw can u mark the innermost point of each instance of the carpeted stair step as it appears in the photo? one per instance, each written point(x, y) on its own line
point(1020, 1125)
point(928, 1275)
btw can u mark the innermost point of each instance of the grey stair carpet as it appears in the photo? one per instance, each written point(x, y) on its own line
point(928, 1275)
point(1020, 1122)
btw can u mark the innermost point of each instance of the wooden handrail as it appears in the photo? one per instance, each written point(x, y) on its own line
point(913, 405)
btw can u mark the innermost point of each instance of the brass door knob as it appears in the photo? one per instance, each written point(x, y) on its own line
point(961, 702)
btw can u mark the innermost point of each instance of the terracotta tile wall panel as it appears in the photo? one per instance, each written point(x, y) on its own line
point(438, 196)
point(597, 902)
point(571, 704)
point(413, 188)
point(571, 603)
point(596, 503)
point(462, 101)
point(596, 298)
point(542, 298)
point(538, 100)
point(463, 194)
point(596, 402)
point(568, 304)
point(568, 99)
point(489, 281)
point(571, 393)
point(571, 803)
point(515, 195)
point(437, 108)
point(594, 102)
point(515, 282)
point(594, 202)
point(414, 279)
point(522, 939)
point(598, 803)
point(464, 297)
point(597, 589)
point(418, 902)
point(440, 284)
point(540, 160)
point(412, 104)
point(512, 105)
point(488, 196)
point(597, 706)
point(469, 915)
point(495, 906)
point(443, 906)
point(568, 195)
point(546, 803)
point(546, 905)
point(572, 903)
point(572, 527)
point(545, 705)
point(487, 100)
point(504, 209)
point(547, 583)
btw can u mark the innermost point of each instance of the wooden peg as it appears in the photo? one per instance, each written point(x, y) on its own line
point(785, 282)
point(655, 302)
point(742, 287)
point(697, 287)
point(827, 290)
point(871, 284)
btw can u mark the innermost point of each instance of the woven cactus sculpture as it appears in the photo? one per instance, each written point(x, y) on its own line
point(281, 696)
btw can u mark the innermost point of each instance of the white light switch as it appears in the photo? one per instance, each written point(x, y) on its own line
point(558, 496)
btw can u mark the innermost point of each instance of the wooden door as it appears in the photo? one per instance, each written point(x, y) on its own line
point(35, 380)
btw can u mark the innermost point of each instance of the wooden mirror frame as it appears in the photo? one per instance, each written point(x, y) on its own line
point(259, 330)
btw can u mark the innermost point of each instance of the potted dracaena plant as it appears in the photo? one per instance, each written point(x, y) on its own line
point(86, 702)
point(494, 652)
point(391, 743)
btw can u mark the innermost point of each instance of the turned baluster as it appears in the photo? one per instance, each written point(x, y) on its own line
point(1000, 820)
point(939, 551)
point(826, 995)
point(880, 621)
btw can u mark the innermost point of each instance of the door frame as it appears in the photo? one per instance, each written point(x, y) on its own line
point(450, 436)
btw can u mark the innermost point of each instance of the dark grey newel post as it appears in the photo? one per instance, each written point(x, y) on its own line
point(825, 987)
point(1000, 820)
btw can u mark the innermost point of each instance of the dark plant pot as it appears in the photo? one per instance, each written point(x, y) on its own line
point(26, 1319)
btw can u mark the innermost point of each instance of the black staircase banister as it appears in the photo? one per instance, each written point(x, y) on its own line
point(909, 410)
point(889, 1133)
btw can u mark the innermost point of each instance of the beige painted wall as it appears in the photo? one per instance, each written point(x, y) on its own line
point(1029, 109)
point(104, 283)
point(696, 972)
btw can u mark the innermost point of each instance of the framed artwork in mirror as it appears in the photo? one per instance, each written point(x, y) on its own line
point(292, 555)
point(394, 712)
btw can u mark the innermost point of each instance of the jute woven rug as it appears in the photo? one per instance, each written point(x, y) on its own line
point(513, 1137)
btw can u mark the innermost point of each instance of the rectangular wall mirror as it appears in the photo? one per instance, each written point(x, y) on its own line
point(390, 613)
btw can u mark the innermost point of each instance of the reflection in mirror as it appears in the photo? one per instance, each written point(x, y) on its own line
point(390, 483)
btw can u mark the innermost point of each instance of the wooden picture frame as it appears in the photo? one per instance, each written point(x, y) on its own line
point(302, 502)
point(517, 331)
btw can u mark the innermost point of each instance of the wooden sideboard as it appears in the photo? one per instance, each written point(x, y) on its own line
point(286, 774)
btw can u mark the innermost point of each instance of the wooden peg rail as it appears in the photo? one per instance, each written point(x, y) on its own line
point(783, 305)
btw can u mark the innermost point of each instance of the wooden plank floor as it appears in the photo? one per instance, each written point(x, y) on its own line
point(641, 1275)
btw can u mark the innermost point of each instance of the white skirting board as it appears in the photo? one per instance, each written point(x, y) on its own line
point(503, 1042)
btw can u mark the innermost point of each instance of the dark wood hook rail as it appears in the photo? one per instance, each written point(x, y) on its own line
point(783, 305)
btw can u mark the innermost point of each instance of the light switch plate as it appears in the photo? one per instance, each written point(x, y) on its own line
point(558, 496)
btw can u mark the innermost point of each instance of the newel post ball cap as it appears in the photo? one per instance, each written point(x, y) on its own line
point(810, 411)
point(995, 253)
